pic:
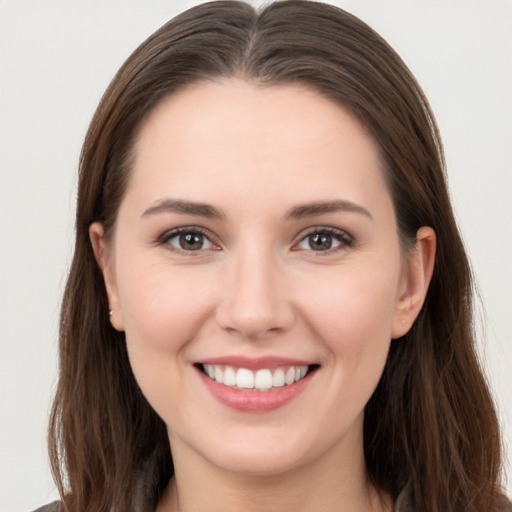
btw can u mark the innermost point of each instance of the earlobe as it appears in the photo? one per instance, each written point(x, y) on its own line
point(417, 275)
point(104, 259)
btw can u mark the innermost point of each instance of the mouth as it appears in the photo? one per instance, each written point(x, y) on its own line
point(264, 379)
point(255, 385)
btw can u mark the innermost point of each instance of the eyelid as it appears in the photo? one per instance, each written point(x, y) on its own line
point(164, 238)
point(345, 239)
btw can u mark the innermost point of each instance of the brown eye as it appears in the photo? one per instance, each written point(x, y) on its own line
point(325, 240)
point(319, 242)
point(188, 240)
point(191, 241)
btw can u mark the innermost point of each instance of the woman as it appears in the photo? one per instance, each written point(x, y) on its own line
point(268, 282)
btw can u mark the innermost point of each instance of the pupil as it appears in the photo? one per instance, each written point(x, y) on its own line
point(320, 242)
point(191, 241)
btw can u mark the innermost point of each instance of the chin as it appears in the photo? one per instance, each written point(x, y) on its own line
point(258, 463)
point(265, 452)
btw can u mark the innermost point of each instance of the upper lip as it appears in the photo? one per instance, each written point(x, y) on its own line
point(254, 363)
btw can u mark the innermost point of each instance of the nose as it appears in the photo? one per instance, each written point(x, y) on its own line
point(254, 302)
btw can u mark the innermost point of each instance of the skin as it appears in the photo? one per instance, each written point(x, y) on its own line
point(259, 287)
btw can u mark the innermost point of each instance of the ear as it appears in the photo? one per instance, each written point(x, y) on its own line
point(415, 281)
point(105, 259)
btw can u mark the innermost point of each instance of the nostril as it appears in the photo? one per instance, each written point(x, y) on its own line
point(256, 307)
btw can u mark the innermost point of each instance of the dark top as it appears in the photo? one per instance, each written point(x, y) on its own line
point(402, 505)
point(51, 507)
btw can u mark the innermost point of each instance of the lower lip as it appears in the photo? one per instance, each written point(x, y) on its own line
point(255, 401)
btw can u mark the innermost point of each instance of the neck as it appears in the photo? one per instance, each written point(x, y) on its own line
point(324, 484)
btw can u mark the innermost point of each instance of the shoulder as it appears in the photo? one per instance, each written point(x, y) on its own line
point(51, 507)
point(403, 502)
point(504, 504)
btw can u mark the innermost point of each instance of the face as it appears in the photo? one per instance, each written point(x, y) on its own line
point(255, 268)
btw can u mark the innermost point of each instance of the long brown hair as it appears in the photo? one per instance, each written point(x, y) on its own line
point(431, 422)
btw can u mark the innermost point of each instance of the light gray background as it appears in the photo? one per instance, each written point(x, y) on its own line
point(57, 57)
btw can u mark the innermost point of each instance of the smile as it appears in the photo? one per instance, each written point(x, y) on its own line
point(264, 379)
point(255, 385)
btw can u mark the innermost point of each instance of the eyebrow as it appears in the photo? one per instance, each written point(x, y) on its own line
point(298, 212)
point(184, 207)
point(323, 207)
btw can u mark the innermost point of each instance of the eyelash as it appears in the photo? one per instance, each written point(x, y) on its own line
point(344, 239)
point(187, 230)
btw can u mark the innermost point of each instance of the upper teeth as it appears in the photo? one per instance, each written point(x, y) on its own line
point(261, 380)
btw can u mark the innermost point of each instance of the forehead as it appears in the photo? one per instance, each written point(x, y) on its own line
point(235, 137)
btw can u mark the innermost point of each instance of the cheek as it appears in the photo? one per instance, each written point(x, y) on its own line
point(357, 303)
point(163, 308)
point(353, 316)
